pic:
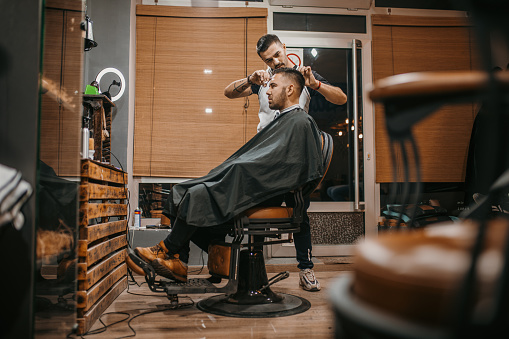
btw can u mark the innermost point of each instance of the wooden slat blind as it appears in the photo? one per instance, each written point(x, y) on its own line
point(145, 49)
point(443, 137)
point(61, 107)
point(50, 108)
point(71, 113)
point(256, 27)
point(174, 137)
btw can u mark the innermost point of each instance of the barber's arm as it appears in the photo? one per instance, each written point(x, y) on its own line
point(333, 94)
point(242, 88)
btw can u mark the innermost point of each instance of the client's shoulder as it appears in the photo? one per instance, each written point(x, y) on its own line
point(301, 120)
point(298, 113)
point(303, 116)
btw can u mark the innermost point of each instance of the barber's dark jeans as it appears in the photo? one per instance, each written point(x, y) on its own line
point(302, 240)
point(177, 242)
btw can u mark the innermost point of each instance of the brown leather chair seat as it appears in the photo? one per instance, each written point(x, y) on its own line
point(416, 275)
point(269, 213)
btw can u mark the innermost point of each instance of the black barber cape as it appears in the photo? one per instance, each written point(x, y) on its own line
point(283, 156)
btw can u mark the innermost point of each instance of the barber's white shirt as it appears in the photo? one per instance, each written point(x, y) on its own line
point(288, 109)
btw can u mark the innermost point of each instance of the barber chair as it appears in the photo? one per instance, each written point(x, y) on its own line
point(247, 293)
point(447, 280)
point(444, 281)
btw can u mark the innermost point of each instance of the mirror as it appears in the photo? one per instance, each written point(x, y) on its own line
point(59, 166)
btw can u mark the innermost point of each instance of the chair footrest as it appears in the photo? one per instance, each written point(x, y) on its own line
point(195, 285)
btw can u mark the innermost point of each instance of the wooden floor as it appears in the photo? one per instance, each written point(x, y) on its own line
point(190, 322)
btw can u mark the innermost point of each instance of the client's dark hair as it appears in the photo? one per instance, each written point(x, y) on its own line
point(266, 41)
point(294, 76)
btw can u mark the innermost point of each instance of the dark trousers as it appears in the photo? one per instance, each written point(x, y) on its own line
point(177, 242)
point(302, 240)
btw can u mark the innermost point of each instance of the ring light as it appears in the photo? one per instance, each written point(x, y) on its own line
point(120, 75)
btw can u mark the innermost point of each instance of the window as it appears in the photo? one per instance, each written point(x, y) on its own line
point(184, 125)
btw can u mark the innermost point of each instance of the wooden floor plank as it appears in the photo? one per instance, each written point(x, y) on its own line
point(190, 322)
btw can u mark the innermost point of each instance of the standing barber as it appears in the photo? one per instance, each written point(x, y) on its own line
point(273, 53)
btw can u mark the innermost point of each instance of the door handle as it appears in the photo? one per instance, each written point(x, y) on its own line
point(355, 106)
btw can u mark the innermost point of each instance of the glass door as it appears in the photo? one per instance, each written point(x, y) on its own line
point(338, 206)
point(343, 123)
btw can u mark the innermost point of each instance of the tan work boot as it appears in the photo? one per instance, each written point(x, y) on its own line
point(149, 254)
point(171, 268)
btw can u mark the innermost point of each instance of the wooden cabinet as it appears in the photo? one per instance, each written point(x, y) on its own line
point(101, 268)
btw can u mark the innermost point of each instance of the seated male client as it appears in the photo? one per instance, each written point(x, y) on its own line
point(284, 156)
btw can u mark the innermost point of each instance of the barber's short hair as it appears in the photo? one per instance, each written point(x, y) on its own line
point(294, 76)
point(266, 41)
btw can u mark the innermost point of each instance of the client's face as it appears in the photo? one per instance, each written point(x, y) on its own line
point(277, 93)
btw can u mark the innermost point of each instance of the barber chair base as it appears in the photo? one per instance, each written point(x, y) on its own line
point(356, 319)
point(289, 305)
point(254, 298)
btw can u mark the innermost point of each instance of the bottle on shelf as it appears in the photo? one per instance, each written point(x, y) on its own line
point(137, 217)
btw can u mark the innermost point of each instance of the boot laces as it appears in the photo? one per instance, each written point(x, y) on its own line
point(156, 249)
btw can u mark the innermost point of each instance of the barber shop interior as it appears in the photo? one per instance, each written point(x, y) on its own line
point(260, 169)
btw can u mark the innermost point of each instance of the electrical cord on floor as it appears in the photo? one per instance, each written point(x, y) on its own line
point(101, 329)
point(198, 271)
point(150, 311)
point(166, 308)
point(134, 282)
point(105, 327)
point(131, 281)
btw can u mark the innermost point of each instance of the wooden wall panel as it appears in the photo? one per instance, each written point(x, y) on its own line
point(182, 140)
point(145, 49)
point(443, 137)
